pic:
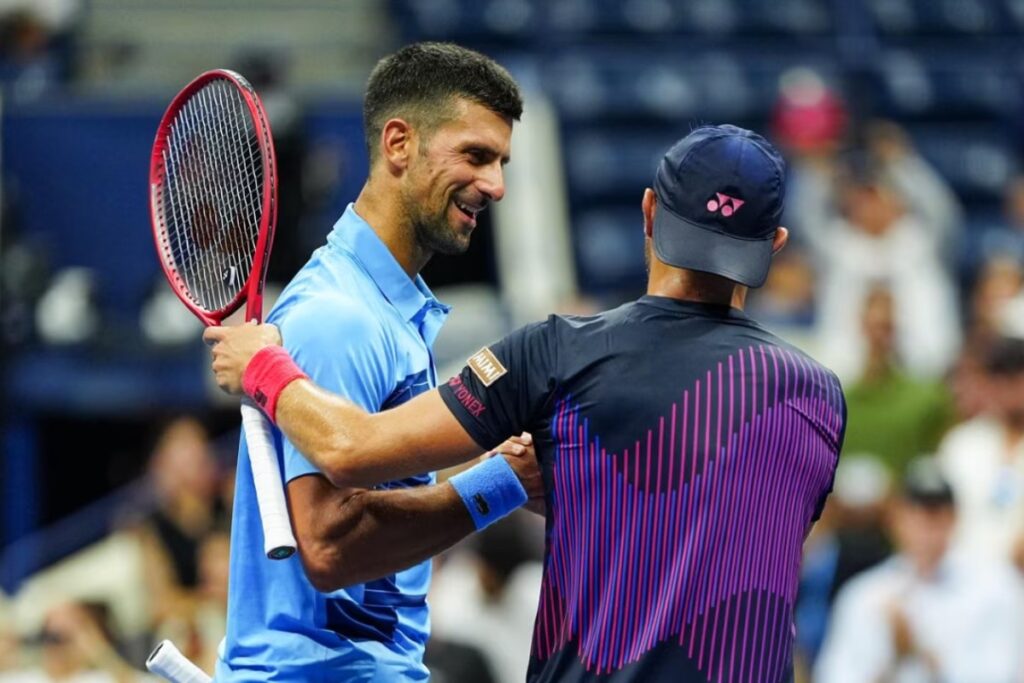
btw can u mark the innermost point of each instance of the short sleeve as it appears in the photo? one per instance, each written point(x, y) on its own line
point(504, 387)
point(343, 348)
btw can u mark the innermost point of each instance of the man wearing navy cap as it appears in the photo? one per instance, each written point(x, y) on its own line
point(686, 451)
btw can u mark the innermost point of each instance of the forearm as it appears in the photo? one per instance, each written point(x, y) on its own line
point(375, 533)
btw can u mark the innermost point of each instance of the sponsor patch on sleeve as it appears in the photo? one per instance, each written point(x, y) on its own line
point(486, 366)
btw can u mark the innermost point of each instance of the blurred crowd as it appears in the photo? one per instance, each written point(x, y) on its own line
point(915, 572)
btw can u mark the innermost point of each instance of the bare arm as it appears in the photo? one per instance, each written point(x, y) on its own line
point(350, 536)
point(353, 448)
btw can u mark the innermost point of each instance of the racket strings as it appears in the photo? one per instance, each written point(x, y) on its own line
point(213, 194)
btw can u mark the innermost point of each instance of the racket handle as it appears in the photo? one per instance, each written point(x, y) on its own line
point(167, 662)
point(278, 541)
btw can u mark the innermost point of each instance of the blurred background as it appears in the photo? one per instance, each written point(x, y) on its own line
point(902, 124)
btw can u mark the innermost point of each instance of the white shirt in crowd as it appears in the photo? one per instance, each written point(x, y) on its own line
point(988, 482)
point(969, 616)
point(461, 612)
point(906, 260)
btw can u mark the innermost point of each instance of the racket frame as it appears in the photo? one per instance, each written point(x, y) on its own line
point(251, 291)
point(279, 542)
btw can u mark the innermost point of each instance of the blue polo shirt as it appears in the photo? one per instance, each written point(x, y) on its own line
point(360, 327)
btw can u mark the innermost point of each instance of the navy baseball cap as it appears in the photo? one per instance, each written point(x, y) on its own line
point(720, 195)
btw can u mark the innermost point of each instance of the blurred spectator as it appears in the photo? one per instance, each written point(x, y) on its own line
point(200, 618)
point(967, 383)
point(35, 38)
point(983, 458)
point(785, 304)
point(492, 590)
point(185, 478)
point(810, 122)
point(876, 240)
point(78, 646)
point(809, 119)
point(924, 192)
point(890, 413)
point(1000, 278)
point(846, 540)
point(926, 614)
point(1006, 241)
point(9, 645)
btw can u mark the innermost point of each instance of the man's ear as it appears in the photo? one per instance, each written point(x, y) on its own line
point(397, 143)
point(649, 205)
point(780, 240)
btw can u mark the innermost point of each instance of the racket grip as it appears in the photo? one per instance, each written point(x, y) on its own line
point(278, 541)
point(167, 662)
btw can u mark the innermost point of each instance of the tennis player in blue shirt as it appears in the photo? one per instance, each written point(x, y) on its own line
point(360, 321)
point(686, 450)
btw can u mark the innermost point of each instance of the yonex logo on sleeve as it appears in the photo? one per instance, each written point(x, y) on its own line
point(486, 366)
point(724, 204)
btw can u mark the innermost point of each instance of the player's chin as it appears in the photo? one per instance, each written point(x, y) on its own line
point(456, 242)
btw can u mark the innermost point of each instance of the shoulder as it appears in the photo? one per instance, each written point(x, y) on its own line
point(815, 370)
point(332, 308)
point(584, 326)
point(328, 316)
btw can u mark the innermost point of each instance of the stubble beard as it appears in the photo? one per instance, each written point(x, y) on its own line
point(438, 236)
point(434, 232)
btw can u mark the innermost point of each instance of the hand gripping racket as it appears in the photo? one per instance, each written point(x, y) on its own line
point(213, 203)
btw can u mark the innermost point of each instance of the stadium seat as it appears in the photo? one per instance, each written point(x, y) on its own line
point(973, 157)
point(609, 248)
point(945, 84)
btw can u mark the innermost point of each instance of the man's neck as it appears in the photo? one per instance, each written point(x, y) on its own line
point(392, 226)
point(685, 285)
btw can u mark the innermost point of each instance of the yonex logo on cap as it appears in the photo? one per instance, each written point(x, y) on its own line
point(724, 204)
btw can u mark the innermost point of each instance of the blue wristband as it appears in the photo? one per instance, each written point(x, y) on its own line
point(490, 490)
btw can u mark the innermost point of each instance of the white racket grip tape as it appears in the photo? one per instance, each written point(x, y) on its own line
point(278, 541)
point(167, 662)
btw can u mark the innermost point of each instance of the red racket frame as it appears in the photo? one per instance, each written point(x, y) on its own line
point(252, 291)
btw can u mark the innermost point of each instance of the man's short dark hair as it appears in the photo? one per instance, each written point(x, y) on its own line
point(420, 82)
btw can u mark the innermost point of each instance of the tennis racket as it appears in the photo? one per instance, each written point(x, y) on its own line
point(167, 662)
point(213, 204)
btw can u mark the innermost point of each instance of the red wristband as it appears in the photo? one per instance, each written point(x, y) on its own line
point(266, 376)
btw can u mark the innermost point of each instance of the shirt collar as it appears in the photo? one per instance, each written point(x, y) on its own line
point(696, 308)
point(409, 295)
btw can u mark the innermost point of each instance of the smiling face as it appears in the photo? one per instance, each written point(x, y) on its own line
point(454, 174)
